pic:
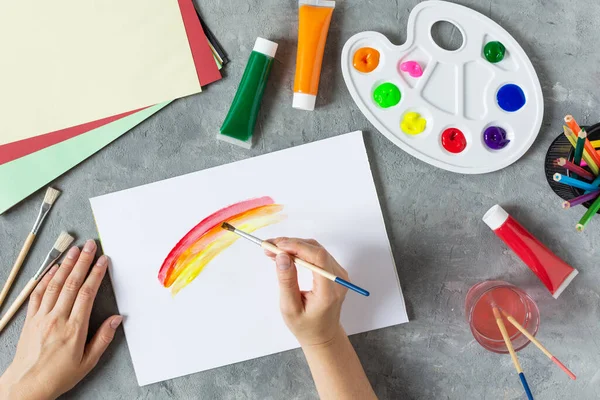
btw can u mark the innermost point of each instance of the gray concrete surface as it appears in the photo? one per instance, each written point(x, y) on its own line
point(433, 217)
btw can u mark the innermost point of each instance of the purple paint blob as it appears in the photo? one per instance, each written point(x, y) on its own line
point(495, 138)
point(510, 97)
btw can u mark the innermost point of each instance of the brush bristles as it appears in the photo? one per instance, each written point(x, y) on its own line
point(51, 195)
point(63, 242)
point(228, 227)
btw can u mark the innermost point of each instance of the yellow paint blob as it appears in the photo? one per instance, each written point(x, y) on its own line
point(412, 123)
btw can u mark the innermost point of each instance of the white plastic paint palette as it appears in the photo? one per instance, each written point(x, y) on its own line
point(458, 90)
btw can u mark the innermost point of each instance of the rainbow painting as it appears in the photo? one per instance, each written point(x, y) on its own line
point(207, 239)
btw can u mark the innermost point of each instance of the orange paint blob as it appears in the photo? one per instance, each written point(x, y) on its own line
point(366, 59)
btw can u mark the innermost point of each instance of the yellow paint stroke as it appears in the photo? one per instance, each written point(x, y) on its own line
point(195, 261)
point(215, 234)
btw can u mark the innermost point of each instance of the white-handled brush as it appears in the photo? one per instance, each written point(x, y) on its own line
point(62, 243)
point(49, 199)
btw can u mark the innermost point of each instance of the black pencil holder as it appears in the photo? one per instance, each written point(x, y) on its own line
point(561, 147)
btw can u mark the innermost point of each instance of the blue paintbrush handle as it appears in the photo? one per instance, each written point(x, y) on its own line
point(526, 386)
point(351, 286)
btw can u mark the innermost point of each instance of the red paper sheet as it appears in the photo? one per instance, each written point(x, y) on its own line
point(206, 67)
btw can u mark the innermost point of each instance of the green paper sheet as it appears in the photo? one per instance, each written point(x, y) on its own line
point(22, 177)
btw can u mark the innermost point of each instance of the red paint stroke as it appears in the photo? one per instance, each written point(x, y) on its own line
point(206, 68)
point(204, 226)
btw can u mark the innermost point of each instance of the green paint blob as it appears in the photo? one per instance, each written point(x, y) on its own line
point(387, 95)
point(494, 52)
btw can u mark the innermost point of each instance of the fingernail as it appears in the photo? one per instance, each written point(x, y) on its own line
point(90, 246)
point(53, 270)
point(73, 253)
point(116, 321)
point(283, 261)
point(102, 261)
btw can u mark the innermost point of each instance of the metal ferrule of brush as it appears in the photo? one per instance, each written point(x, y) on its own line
point(40, 218)
point(48, 263)
point(249, 237)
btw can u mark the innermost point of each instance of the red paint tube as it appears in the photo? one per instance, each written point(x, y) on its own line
point(552, 271)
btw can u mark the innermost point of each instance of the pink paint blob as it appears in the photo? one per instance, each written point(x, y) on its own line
point(413, 68)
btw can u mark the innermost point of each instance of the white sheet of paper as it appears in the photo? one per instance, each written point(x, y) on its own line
point(68, 62)
point(230, 312)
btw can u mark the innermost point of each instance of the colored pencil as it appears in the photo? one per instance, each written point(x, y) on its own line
point(587, 217)
point(580, 199)
point(538, 344)
point(49, 199)
point(579, 132)
point(574, 182)
point(61, 244)
point(573, 139)
point(576, 169)
point(511, 350)
point(581, 137)
point(298, 261)
point(595, 182)
point(596, 144)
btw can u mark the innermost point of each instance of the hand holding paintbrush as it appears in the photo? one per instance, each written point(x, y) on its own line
point(276, 250)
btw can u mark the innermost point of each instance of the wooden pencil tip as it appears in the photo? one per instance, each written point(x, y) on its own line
point(51, 195)
point(579, 228)
point(568, 118)
point(566, 205)
point(556, 177)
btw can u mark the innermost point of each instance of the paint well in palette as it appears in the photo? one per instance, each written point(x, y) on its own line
point(413, 123)
point(412, 68)
point(387, 95)
point(495, 138)
point(454, 141)
point(511, 97)
point(366, 59)
point(207, 240)
point(494, 51)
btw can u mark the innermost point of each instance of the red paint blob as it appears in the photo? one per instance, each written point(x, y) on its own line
point(454, 140)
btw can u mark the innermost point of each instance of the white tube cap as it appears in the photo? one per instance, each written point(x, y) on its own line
point(303, 101)
point(265, 47)
point(495, 217)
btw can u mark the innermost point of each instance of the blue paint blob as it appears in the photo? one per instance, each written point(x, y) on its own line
point(510, 97)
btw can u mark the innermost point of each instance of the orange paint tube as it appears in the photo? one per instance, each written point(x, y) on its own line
point(314, 17)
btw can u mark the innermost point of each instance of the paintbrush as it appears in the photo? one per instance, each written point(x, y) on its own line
point(49, 199)
point(298, 261)
point(61, 244)
point(511, 350)
point(538, 344)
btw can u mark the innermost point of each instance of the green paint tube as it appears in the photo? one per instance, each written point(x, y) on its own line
point(239, 123)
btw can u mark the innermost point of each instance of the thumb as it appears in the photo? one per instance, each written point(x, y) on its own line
point(99, 343)
point(289, 292)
